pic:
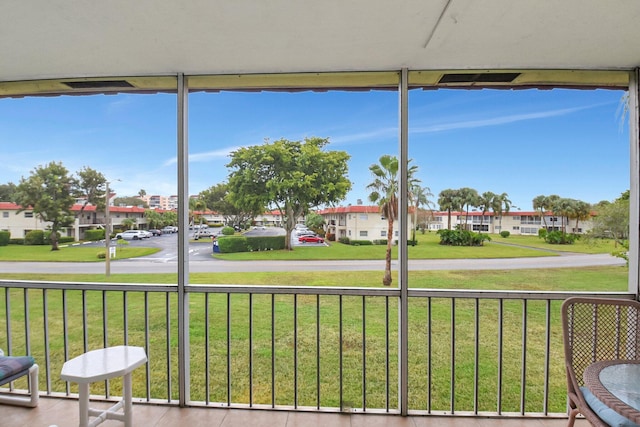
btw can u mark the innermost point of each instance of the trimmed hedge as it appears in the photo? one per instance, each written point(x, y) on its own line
point(16, 241)
point(230, 244)
point(34, 237)
point(361, 242)
point(5, 236)
point(94, 235)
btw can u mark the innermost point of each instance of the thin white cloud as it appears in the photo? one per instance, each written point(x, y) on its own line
point(204, 156)
point(453, 125)
point(496, 121)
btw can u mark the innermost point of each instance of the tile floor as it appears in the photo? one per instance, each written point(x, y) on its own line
point(64, 413)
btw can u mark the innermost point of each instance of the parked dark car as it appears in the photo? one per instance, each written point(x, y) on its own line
point(155, 232)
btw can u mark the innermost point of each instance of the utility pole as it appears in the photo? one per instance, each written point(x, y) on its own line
point(107, 232)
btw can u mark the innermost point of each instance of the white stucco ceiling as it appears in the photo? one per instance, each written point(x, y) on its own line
point(71, 39)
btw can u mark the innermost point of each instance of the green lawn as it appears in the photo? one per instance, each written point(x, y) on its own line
point(429, 248)
point(67, 253)
point(147, 311)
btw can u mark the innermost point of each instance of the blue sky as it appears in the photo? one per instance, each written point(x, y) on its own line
point(523, 142)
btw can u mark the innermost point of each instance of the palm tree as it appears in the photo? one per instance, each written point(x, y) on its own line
point(419, 196)
point(582, 212)
point(501, 205)
point(468, 198)
point(485, 201)
point(540, 204)
point(449, 200)
point(384, 192)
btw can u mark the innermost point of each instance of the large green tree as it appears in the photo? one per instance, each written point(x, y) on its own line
point(90, 186)
point(7, 192)
point(217, 199)
point(384, 192)
point(291, 176)
point(49, 192)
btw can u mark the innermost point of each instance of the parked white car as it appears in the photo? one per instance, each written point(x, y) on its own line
point(133, 235)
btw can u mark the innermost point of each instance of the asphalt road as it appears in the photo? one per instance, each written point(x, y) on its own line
point(200, 260)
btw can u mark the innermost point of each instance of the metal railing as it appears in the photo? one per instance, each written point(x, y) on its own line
point(303, 348)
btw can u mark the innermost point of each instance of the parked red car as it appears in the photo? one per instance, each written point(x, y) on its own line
point(310, 239)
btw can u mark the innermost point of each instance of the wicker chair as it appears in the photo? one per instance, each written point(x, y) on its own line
point(596, 329)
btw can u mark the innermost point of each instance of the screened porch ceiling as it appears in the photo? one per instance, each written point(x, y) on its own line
point(76, 46)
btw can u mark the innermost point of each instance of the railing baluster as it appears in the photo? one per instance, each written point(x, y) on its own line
point(295, 351)
point(147, 346)
point(207, 356)
point(27, 326)
point(340, 352)
point(65, 332)
point(523, 366)
point(228, 349)
point(364, 354)
point(167, 304)
point(318, 352)
point(429, 355)
point(547, 356)
point(476, 354)
point(250, 350)
point(45, 329)
point(386, 356)
point(500, 334)
point(105, 336)
point(85, 322)
point(453, 357)
point(273, 350)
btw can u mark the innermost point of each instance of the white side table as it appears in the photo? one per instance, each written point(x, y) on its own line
point(99, 365)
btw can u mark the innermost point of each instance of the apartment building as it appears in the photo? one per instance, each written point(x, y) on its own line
point(20, 223)
point(361, 222)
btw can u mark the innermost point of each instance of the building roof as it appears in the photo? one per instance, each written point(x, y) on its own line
point(74, 46)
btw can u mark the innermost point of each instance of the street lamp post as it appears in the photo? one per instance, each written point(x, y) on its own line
point(107, 230)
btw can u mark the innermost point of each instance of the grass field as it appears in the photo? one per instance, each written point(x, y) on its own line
point(220, 338)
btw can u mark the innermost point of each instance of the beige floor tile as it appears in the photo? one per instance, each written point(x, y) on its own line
point(254, 418)
point(313, 419)
point(371, 420)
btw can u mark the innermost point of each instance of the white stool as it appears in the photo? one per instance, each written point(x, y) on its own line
point(99, 365)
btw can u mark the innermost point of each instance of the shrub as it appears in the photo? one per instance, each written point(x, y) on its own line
point(264, 243)
point(66, 239)
point(5, 237)
point(412, 242)
point(34, 237)
point(231, 244)
point(505, 234)
point(227, 231)
point(344, 240)
point(102, 255)
point(331, 237)
point(380, 242)
point(560, 238)
point(361, 243)
point(462, 238)
point(94, 235)
point(542, 233)
point(16, 241)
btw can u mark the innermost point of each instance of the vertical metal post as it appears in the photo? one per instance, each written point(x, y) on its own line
point(107, 233)
point(634, 193)
point(403, 265)
point(183, 244)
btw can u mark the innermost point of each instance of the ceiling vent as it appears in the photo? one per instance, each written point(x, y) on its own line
point(99, 84)
point(479, 78)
